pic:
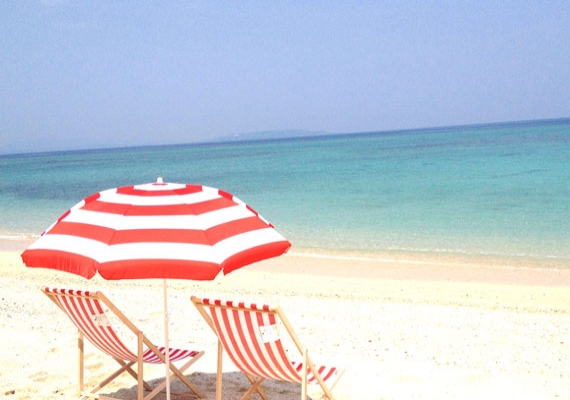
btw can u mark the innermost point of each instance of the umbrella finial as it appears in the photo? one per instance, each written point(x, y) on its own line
point(159, 180)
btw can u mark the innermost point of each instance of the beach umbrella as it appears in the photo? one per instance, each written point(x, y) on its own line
point(156, 230)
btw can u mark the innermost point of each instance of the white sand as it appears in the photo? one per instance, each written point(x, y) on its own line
point(402, 330)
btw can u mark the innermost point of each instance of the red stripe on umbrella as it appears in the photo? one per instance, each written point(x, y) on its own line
point(208, 236)
point(169, 209)
point(62, 261)
point(186, 189)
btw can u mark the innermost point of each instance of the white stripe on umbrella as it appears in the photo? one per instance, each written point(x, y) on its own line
point(112, 196)
point(122, 222)
point(159, 186)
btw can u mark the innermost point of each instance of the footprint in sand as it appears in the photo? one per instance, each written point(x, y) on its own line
point(96, 366)
point(39, 376)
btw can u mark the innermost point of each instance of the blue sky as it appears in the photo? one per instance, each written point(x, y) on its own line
point(88, 74)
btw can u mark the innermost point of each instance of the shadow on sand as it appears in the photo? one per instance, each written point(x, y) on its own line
point(234, 387)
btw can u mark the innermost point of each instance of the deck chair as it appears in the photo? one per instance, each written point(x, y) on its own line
point(87, 311)
point(250, 336)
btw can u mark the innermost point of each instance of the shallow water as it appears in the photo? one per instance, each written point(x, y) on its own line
point(498, 191)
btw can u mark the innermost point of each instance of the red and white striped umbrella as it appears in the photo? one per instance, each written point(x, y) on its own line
point(156, 230)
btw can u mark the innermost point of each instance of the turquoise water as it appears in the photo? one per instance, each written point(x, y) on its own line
point(499, 190)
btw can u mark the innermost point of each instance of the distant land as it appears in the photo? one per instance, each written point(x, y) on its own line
point(297, 133)
point(272, 134)
point(283, 134)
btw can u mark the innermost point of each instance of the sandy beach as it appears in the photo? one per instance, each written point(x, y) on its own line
point(402, 330)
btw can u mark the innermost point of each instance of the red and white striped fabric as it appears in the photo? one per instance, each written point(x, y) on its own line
point(157, 230)
point(249, 335)
point(86, 312)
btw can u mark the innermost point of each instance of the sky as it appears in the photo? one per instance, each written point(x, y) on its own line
point(78, 74)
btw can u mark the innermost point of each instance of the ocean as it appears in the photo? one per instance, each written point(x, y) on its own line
point(495, 193)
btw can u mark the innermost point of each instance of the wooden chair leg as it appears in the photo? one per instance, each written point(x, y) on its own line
point(80, 348)
point(140, 366)
point(219, 372)
point(124, 367)
point(254, 387)
point(178, 373)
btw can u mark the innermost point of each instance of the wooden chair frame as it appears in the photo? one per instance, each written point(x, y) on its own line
point(304, 373)
point(70, 301)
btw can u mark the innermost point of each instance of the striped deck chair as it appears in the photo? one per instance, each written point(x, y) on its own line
point(87, 311)
point(249, 335)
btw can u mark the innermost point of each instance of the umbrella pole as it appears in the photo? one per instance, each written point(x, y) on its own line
point(167, 353)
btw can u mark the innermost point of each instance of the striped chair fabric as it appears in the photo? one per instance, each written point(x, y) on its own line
point(250, 336)
point(86, 311)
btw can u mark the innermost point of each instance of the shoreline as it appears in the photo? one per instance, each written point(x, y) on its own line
point(412, 265)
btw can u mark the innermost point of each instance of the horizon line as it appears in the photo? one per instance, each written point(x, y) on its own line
point(310, 134)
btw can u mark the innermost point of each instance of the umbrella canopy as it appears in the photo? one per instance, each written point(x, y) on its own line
point(156, 230)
